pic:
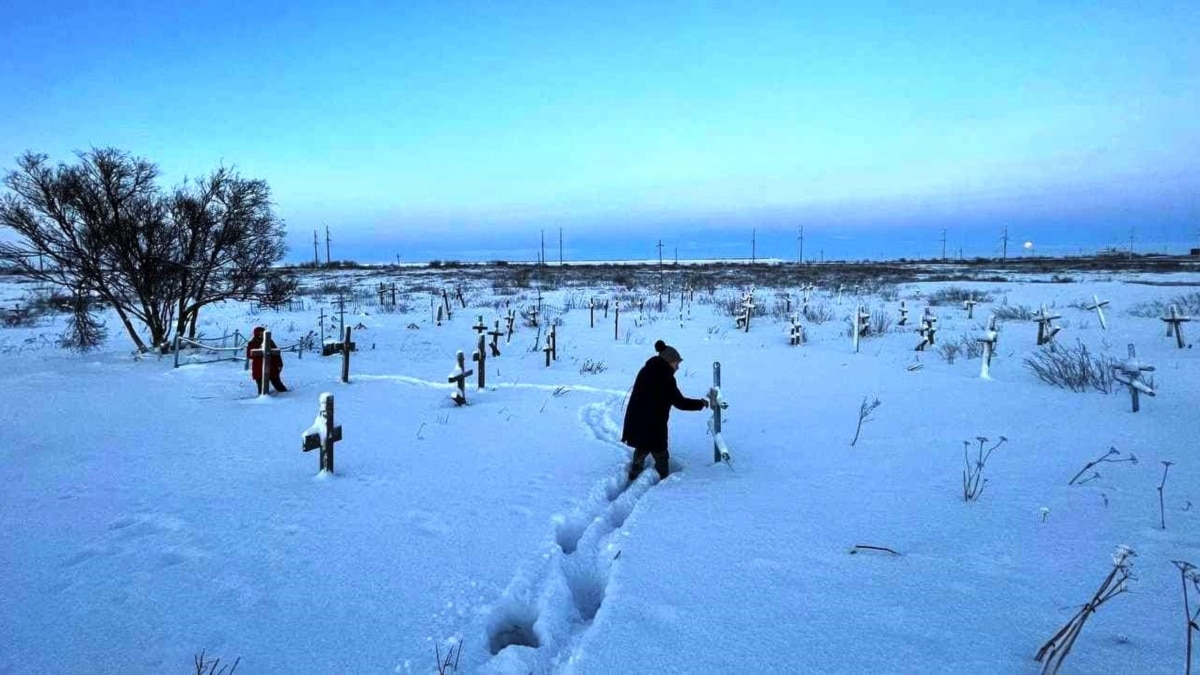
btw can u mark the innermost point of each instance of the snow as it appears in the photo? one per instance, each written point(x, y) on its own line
point(152, 512)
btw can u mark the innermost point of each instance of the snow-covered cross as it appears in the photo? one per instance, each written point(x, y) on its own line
point(1046, 328)
point(616, 318)
point(717, 404)
point(591, 313)
point(928, 330)
point(1129, 373)
point(479, 326)
point(743, 320)
point(1098, 306)
point(796, 333)
point(1175, 321)
point(989, 340)
point(323, 433)
point(969, 305)
point(862, 325)
point(903, 314)
point(510, 318)
point(459, 376)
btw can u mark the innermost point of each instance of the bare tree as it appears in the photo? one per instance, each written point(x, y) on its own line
point(228, 237)
point(102, 226)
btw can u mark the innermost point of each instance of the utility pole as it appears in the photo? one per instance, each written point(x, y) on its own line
point(754, 245)
point(560, 258)
point(328, 259)
point(1131, 242)
point(677, 256)
point(1004, 244)
point(800, 246)
point(660, 267)
point(316, 255)
point(542, 260)
point(943, 243)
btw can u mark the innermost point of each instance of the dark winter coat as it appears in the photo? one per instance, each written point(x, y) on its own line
point(256, 366)
point(654, 392)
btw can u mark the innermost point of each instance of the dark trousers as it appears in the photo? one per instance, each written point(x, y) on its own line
point(276, 384)
point(662, 460)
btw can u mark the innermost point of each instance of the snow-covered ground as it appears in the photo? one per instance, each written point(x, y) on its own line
point(151, 512)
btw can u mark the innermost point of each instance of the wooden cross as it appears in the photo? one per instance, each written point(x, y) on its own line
point(796, 335)
point(787, 298)
point(551, 346)
point(446, 303)
point(510, 318)
point(459, 376)
point(533, 314)
point(839, 293)
point(606, 309)
point(265, 353)
point(496, 333)
point(747, 309)
point(479, 326)
point(323, 433)
point(691, 293)
point(717, 404)
point(461, 299)
point(862, 325)
point(1175, 322)
point(341, 305)
point(1046, 328)
point(480, 357)
point(927, 331)
point(592, 313)
point(903, 314)
point(1129, 373)
point(347, 346)
point(321, 324)
point(969, 305)
point(989, 340)
point(1098, 307)
point(616, 318)
point(440, 309)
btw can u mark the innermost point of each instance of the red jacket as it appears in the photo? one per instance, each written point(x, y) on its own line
point(256, 368)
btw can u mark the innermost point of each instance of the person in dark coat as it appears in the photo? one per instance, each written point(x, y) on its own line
point(654, 392)
point(256, 361)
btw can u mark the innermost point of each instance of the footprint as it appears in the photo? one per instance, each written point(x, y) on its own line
point(512, 628)
point(568, 532)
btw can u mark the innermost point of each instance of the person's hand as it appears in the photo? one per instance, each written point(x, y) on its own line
point(703, 404)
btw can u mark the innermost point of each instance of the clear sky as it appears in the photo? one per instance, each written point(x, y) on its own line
point(400, 122)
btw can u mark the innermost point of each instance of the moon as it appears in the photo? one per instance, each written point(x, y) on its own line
point(1028, 245)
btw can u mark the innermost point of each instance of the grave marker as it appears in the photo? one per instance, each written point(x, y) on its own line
point(323, 433)
point(459, 377)
point(1175, 321)
point(1129, 373)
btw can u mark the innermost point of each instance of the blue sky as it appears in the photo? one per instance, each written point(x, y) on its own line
point(433, 129)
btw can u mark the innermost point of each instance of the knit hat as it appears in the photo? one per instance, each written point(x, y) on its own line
point(667, 352)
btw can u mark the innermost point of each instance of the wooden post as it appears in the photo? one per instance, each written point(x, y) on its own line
point(439, 315)
point(969, 305)
point(787, 298)
point(592, 313)
point(496, 333)
point(1098, 306)
point(511, 318)
point(459, 376)
point(321, 325)
point(446, 303)
point(797, 332)
point(549, 348)
point(616, 319)
point(862, 324)
point(554, 342)
point(606, 309)
point(903, 315)
point(177, 349)
point(347, 347)
point(927, 331)
point(479, 326)
point(461, 299)
point(313, 439)
point(480, 357)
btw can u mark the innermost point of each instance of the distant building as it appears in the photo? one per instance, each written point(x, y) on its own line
point(1196, 251)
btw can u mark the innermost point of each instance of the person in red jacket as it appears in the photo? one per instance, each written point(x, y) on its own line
point(654, 393)
point(256, 361)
